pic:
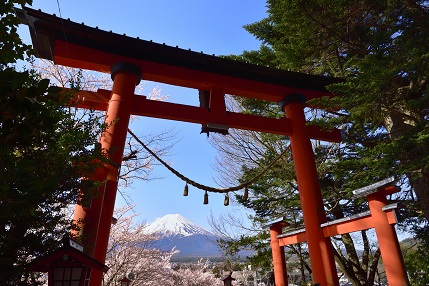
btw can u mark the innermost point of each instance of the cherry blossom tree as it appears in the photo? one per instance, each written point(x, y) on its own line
point(197, 274)
point(131, 250)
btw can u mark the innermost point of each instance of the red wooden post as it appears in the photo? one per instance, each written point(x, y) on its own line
point(279, 261)
point(97, 219)
point(87, 217)
point(319, 247)
point(387, 239)
point(125, 78)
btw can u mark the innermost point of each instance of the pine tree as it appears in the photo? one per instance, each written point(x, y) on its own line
point(380, 50)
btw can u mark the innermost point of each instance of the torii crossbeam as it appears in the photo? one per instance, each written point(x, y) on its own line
point(129, 60)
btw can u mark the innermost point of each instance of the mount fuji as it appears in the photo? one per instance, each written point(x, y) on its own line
point(192, 240)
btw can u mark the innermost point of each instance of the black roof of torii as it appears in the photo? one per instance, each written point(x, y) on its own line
point(48, 30)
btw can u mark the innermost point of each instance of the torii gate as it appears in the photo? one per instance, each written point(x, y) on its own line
point(380, 216)
point(129, 60)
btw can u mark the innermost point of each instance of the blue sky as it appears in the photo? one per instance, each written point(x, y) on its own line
point(213, 27)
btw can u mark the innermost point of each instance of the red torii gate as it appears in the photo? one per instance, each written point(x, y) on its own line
point(380, 216)
point(129, 60)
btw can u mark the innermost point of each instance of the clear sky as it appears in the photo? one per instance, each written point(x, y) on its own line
point(213, 27)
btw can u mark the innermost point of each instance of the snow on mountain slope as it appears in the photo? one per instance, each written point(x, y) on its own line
point(175, 225)
point(192, 240)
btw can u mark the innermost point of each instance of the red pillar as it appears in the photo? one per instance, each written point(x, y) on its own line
point(87, 217)
point(279, 261)
point(97, 219)
point(388, 241)
point(319, 247)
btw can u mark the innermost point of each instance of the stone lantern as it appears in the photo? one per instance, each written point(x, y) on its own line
point(227, 280)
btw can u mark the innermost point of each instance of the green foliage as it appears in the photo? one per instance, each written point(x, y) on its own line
point(382, 104)
point(11, 46)
point(45, 152)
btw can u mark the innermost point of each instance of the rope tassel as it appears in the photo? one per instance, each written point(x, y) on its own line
point(206, 198)
point(186, 190)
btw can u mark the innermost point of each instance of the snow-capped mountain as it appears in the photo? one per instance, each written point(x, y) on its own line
point(175, 225)
point(192, 240)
